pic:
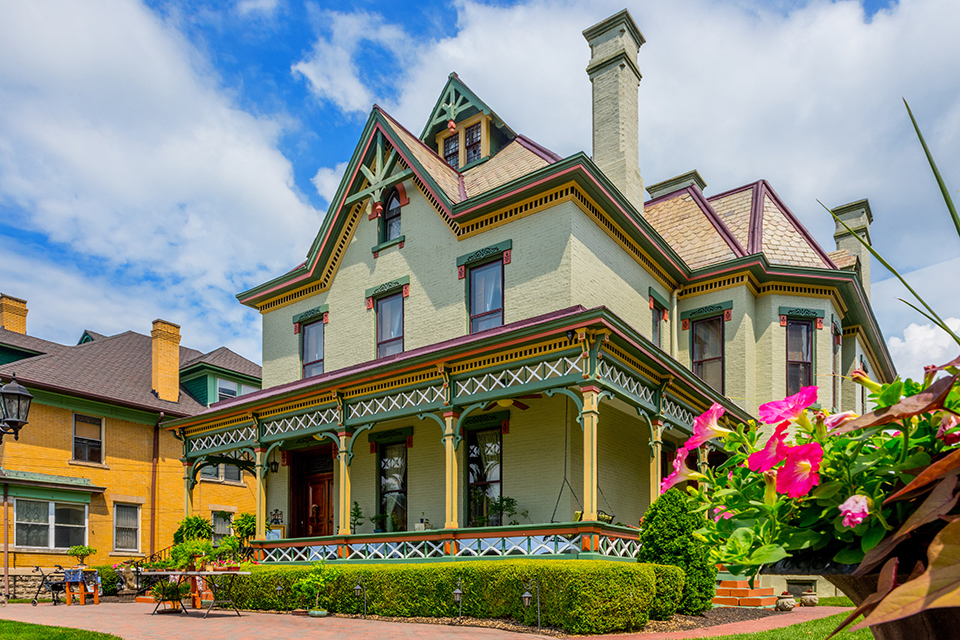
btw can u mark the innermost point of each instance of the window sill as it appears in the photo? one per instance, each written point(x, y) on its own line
point(86, 463)
point(386, 245)
point(230, 483)
point(40, 550)
point(126, 554)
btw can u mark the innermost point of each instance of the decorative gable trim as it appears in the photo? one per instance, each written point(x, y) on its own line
point(708, 310)
point(484, 253)
point(387, 288)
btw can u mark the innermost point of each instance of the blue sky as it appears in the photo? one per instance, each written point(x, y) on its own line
point(157, 158)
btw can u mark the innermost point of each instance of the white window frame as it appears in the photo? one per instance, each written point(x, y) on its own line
point(139, 526)
point(221, 475)
point(73, 441)
point(51, 523)
point(213, 524)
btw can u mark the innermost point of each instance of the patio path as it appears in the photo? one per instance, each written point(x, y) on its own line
point(134, 622)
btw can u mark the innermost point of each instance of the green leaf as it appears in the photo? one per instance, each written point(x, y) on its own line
point(768, 554)
point(803, 539)
point(741, 541)
point(890, 395)
point(936, 172)
point(827, 490)
point(872, 538)
point(849, 556)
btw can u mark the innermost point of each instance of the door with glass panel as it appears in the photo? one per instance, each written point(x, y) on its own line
point(393, 486)
point(483, 477)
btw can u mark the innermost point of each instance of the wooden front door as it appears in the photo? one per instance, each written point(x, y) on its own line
point(320, 507)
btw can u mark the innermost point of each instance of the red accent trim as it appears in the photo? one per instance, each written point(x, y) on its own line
point(651, 302)
point(451, 414)
point(402, 195)
point(284, 460)
point(755, 230)
point(451, 126)
point(401, 244)
point(666, 315)
point(783, 321)
point(409, 442)
point(538, 149)
point(819, 323)
point(373, 447)
point(326, 317)
point(590, 387)
point(728, 315)
point(369, 303)
point(376, 254)
point(685, 325)
point(505, 426)
point(506, 256)
point(798, 225)
point(333, 452)
point(461, 272)
point(462, 188)
point(406, 291)
point(296, 327)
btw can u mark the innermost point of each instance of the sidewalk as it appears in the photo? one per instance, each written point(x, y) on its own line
point(134, 622)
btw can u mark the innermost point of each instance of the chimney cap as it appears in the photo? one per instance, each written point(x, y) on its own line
point(7, 296)
point(860, 206)
point(622, 17)
point(166, 322)
point(677, 183)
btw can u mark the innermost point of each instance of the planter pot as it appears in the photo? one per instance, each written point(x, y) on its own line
point(785, 602)
point(809, 599)
point(317, 613)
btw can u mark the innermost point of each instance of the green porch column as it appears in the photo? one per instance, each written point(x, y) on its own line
point(343, 508)
point(261, 495)
point(451, 472)
point(591, 416)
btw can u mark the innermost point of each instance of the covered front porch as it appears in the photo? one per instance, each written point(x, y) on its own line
point(514, 442)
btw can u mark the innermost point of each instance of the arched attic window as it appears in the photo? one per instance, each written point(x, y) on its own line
point(391, 217)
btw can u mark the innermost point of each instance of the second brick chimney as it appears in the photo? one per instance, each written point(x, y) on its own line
point(858, 217)
point(166, 360)
point(13, 314)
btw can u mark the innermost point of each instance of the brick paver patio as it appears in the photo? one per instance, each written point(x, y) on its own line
point(134, 622)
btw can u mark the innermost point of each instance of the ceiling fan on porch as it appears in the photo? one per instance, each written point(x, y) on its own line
point(513, 402)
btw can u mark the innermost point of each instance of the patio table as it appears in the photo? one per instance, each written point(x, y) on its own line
point(222, 590)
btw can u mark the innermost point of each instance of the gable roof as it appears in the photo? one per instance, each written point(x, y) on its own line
point(27, 343)
point(458, 103)
point(224, 358)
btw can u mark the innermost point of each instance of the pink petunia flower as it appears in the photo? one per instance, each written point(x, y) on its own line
point(801, 470)
point(839, 419)
point(772, 453)
point(945, 433)
point(789, 408)
point(705, 427)
point(681, 472)
point(855, 510)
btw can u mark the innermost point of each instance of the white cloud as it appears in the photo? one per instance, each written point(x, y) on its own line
point(327, 180)
point(923, 345)
point(118, 145)
point(257, 7)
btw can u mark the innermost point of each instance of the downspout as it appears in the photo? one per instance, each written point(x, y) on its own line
point(153, 484)
point(6, 557)
point(674, 326)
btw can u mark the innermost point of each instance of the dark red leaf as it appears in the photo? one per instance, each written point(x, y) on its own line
point(930, 399)
point(939, 469)
point(885, 584)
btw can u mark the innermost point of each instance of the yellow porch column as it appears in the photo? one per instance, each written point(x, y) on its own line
point(343, 508)
point(187, 494)
point(591, 416)
point(656, 457)
point(451, 473)
point(261, 495)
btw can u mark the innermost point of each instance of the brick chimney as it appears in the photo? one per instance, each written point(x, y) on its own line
point(858, 217)
point(13, 314)
point(166, 360)
point(615, 79)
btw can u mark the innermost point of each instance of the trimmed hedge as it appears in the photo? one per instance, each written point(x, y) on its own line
point(580, 596)
point(670, 582)
point(666, 537)
point(108, 579)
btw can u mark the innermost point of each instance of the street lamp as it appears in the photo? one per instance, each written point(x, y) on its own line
point(458, 597)
point(15, 405)
point(527, 596)
point(361, 589)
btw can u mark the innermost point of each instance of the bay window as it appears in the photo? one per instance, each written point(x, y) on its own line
point(708, 351)
point(486, 296)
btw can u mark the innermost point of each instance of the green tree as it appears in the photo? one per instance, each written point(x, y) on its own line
point(666, 537)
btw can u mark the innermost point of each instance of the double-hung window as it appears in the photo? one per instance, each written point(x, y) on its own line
point(126, 527)
point(484, 449)
point(451, 150)
point(222, 526)
point(391, 219)
point(49, 525)
point(708, 351)
point(799, 355)
point(227, 389)
point(393, 485)
point(312, 349)
point(472, 136)
point(87, 438)
point(390, 325)
point(486, 296)
point(227, 472)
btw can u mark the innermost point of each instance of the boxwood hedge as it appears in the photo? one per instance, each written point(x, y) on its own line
point(670, 582)
point(581, 596)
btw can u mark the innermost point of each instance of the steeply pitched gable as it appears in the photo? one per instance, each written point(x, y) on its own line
point(458, 103)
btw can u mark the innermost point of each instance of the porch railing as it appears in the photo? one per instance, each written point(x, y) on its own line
point(557, 540)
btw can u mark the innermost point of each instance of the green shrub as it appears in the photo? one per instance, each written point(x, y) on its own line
point(670, 581)
point(666, 537)
point(193, 528)
point(582, 596)
point(109, 579)
point(244, 526)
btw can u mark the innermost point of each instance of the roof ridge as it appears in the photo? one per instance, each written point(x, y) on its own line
point(419, 141)
point(785, 210)
point(716, 221)
point(537, 148)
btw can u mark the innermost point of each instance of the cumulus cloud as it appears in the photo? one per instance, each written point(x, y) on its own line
point(327, 180)
point(923, 345)
point(257, 7)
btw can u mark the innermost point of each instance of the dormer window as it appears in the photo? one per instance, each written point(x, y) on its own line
point(391, 218)
point(451, 150)
point(472, 143)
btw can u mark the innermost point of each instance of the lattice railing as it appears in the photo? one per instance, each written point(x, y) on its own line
point(301, 421)
point(618, 547)
point(300, 554)
point(625, 381)
point(396, 401)
point(678, 412)
point(519, 376)
point(519, 546)
point(233, 436)
point(396, 550)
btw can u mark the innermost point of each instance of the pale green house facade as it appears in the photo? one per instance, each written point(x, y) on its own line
point(480, 319)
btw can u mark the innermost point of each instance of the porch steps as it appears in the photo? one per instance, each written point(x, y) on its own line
point(737, 593)
point(145, 600)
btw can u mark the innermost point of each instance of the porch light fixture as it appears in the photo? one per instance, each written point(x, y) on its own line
point(458, 597)
point(274, 466)
point(361, 589)
point(527, 597)
point(15, 405)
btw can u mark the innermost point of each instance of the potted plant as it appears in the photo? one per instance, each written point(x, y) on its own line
point(379, 522)
point(171, 592)
point(356, 516)
point(190, 554)
point(80, 552)
point(193, 528)
point(313, 585)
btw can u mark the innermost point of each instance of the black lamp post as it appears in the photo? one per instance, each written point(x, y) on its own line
point(527, 596)
point(458, 597)
point(15, 405)
point(360, 589)
point(279, 591)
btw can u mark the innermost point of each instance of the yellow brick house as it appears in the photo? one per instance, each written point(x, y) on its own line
point(93, 465)
point(479, 319)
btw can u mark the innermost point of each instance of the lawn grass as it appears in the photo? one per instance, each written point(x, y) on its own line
point(812, 630)
point(26, 631)
point(839, 601)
